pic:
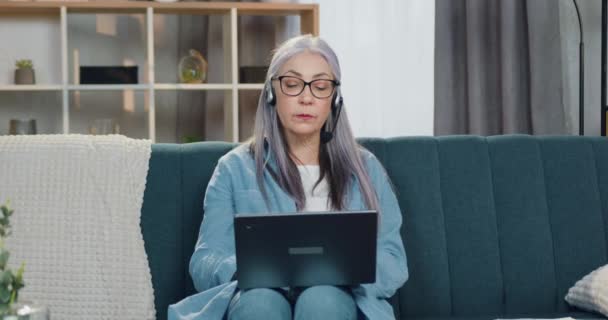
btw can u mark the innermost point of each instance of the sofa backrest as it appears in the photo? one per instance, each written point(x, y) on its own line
point(497, 225)
point(172, 213)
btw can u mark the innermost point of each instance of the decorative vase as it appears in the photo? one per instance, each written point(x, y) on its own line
point(104, 127)
point(25, 76)
point(15, 317)
point(22, 126)
point(193, 68)
point(27, 310)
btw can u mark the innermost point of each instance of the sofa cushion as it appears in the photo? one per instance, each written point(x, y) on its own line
point(591, 292)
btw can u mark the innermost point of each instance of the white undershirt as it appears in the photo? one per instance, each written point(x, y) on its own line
point(317, 201)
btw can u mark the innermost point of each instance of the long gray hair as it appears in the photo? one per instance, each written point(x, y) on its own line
point(339, 159)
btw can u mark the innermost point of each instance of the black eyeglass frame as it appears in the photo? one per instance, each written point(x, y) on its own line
point(309, 84)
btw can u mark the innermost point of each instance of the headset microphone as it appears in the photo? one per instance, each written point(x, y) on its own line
point(327, 135)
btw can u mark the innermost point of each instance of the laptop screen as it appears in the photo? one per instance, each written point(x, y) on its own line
point(305, 249)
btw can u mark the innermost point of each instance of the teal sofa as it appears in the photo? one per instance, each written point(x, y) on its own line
point(496, 227)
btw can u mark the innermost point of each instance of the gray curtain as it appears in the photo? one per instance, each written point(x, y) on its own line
point(498, 67)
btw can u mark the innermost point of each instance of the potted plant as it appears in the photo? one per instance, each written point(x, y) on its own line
point(10, 282)
point(192, 138)
point(24, 74)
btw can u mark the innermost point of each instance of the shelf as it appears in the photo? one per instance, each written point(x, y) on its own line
point(158, 102)
point(30, 87)
point(250, 86)
point(208, 86)
point(141, 6)
point(128, 111)
point(42, 106)
point(185, 86)
point(113, 87)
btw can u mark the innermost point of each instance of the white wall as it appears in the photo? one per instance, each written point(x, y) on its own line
point(386, 51)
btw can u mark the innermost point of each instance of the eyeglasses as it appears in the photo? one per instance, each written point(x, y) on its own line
point(320, 88)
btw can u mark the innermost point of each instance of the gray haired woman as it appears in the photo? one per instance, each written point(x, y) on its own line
point(302, 157)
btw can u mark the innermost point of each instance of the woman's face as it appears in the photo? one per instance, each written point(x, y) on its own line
point(303, 115)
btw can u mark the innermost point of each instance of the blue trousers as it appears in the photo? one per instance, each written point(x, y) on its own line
point(318, 302)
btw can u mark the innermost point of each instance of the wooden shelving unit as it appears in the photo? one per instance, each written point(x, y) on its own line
point(309, 23)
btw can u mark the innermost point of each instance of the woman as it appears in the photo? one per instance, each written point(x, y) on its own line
point(303, 157)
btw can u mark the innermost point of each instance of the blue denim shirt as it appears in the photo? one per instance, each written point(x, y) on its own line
point(233, 189)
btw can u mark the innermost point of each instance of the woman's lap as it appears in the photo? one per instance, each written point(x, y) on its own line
point(316, 302)
point(259, 304)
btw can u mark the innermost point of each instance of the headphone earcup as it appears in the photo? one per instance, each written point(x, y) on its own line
point(336, 102)
point(270, 96)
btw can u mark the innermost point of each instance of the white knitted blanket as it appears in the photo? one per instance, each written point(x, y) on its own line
point(77, 202)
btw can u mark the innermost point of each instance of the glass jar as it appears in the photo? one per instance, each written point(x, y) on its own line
point(27, 310)
point(193, 68)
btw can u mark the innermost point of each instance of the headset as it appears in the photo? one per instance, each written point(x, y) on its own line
point(336, 107)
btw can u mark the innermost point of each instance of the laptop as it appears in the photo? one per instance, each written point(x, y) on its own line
point(305, 249)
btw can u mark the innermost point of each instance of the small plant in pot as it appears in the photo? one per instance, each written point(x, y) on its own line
point(24, 74)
